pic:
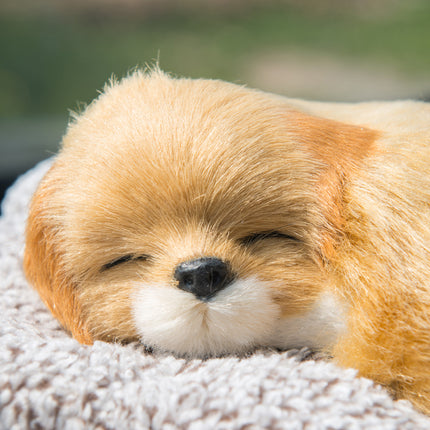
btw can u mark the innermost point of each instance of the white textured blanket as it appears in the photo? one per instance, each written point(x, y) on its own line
point(48, 380)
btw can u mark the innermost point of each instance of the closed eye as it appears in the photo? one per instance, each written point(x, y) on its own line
point(256, 237)
point(124, 259)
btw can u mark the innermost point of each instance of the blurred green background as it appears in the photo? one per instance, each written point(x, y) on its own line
point(55, 55)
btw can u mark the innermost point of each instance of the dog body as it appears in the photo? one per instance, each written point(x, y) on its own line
point(204, 218)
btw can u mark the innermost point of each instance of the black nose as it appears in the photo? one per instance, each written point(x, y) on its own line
point(203, 277)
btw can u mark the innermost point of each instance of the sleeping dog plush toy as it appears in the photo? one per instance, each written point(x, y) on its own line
point(203, 218)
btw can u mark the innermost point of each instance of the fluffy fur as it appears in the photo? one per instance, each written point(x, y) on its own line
point(320, 210)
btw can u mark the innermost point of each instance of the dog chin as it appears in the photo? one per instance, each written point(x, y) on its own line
point(237, 320)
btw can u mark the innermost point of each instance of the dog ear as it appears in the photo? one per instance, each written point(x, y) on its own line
point(43, 268)
point(341, 149)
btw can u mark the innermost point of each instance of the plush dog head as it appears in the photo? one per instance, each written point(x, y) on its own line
point(193, 215)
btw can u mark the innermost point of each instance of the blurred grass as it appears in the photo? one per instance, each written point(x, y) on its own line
point(49, 63)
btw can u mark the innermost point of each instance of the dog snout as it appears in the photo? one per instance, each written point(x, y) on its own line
point(203, 277)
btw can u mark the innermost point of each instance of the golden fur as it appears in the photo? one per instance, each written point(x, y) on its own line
point(162, 171)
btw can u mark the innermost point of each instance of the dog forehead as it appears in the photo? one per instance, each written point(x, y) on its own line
point(124, 196)
point(174, 150)
point(163, 137)
point(206, 186)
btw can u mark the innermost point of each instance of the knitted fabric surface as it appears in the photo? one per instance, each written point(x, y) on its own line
point(50, 381)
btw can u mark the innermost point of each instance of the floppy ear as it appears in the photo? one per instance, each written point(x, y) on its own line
point(342, 150)
point(43, 268)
